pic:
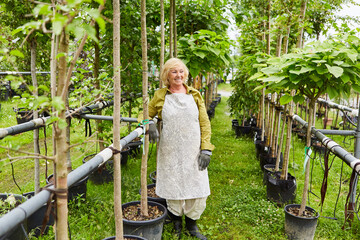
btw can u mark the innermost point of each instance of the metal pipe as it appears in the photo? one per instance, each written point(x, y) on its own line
point(335, 148)
point(23, 127)
point(337, 132)
point(337, 106)
point(21, 73)
point(107, 118)
point(16, 216)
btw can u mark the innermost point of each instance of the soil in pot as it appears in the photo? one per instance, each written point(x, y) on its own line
point(280, 191)
point(300, 227)
point(266, 158)
point(268, 168)
point(20, 231)
point(151, 193)
point(35, 220)
point(150, 227)
point(103, 174)
point(77, 190)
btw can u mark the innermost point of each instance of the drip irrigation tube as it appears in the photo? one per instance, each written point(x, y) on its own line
point(20, 213)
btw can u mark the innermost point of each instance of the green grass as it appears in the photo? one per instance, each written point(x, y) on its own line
point(237, 207)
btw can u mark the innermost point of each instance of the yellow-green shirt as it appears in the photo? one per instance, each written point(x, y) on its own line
point(157, 103)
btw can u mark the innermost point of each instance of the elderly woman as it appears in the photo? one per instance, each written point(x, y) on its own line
point(184, 149)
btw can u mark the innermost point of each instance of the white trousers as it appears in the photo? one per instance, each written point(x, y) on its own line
point(192, 208)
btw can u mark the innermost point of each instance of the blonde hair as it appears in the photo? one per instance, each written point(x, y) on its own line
point(170, 64)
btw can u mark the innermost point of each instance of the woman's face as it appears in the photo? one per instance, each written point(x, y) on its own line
point(176, 76)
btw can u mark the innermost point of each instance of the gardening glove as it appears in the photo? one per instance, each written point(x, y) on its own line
point(153, 132)
point(204, 159)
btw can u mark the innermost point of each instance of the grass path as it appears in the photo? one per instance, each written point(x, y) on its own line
point(237, 207)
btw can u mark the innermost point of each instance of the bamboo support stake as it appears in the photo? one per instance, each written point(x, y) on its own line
point(116, 121)
point(144, 203)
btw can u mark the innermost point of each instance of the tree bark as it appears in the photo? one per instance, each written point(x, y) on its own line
point(307, 168)
point(35, 113)
point(299, 43)
point(116, 121)
point(61, 147)
point(174, 28)
point(171, 34)
point(144, 205)
point(97, 86)
point(162, 48)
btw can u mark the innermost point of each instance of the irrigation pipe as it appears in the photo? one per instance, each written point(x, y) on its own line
point(347, 157)
point(16, 216)
point(108, 118)
point(40, 122)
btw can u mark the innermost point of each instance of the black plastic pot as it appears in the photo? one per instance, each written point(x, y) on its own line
point(125, 152)
point(265, 158)
point(77, 190)
point(103, 174)
point(132, 237)
point(242, 130)
point(155, 199)
point(234, 123)
point(268, 168)
point(297, 227)
point(280, 191)
point(35, 220)
point(135, 147)
point(23, 116)
point(20, 231)
point(260, 148)
point(150, 229)
point(153, 176)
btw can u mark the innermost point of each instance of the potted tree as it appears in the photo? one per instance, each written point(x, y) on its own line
point(328, 67)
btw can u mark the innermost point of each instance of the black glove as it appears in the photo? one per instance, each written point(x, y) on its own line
point(204, 159)
point(153, 132)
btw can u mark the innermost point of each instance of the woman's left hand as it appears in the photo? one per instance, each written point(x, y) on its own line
point(204, 160)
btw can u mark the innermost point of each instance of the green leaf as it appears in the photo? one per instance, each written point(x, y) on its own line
point(303, 69)
point(215, 51)
point(200, 54)
point(332, 92)
point(298, 99)
point(356, 87)
point(335, 70)
point(345, 78)
point(274, 79)
point(256, 76)
point(58, 104)
point(270, 70)
point(16, 53)
point(285, 99)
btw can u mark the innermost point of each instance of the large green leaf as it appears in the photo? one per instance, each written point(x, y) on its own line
point(332, 92)
point(303, 69)
point(270, 70)
point(274, 79)
point(200, 54)
point(285, 99)
point(335, 70)
point(356, 88)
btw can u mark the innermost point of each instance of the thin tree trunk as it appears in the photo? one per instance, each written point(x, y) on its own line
point(61, 148)
point(116, 120)
point(281, 140)
point(53, 69)
point(162, 47)
point(299, 43)
point(174, 28)
point(144, 204)
point(171, 34)
point(284, 172)
point(35, 113)
point(97, 86)
point(307, 168)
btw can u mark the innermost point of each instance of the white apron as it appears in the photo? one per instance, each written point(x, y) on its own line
point(177, 174)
